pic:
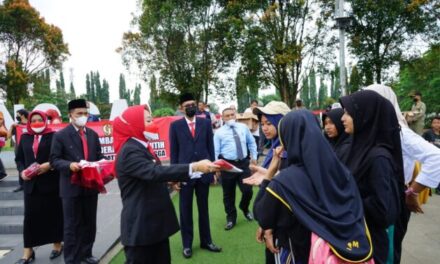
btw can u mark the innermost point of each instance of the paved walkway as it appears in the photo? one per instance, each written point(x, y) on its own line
point(422, 241)
point(107, 236)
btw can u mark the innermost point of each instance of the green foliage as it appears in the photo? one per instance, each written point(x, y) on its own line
point(280, 41)
point(185, 41)
point(72, 93)
point(124, 93)
point(382, 28)
point(322, 93)
point(305, 92)
point(163, 112)
point(355, 83)
point(335, 90)
point(314, 104)
point(137, 95)
point(422, 74)
point(14, 80)
point(30, 46)
point(270, 97)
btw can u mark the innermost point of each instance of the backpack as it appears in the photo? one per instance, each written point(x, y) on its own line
point(320, 253)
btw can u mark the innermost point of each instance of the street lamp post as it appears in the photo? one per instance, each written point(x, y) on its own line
point(343, 21)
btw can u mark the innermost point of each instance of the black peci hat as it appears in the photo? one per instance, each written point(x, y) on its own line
point(185, 97)
point(77, 103)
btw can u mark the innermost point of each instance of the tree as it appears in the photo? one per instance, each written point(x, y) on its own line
point(421, 74)
point(88, 88)
point(14, 80)
point(381, 30)
point(322, 95)
point(30, 46)
point(270, 97)
point(124, 93)
point(105, 92)
point(137, 95)
point(355, 83)
point(285, 36)
point(184, 41)
point(335, 83)
point(305, 92)
point(72, 93)
point(312, 90)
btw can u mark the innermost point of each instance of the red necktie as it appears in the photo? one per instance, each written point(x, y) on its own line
point(35, 145)
point(84, 143)
point(192, 129)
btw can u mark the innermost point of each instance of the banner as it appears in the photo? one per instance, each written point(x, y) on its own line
point(104, 129)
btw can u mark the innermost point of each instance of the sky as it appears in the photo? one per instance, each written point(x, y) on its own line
point(93, 30)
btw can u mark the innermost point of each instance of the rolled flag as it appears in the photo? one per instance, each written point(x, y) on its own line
point(226, 166)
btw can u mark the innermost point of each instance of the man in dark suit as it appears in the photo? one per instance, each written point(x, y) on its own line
point(191, 139)
point(69, 146)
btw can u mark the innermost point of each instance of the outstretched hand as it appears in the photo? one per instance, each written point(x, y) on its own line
point(259, 174)
point(205, 166)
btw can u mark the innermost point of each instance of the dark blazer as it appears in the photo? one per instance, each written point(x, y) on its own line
point(46, 183)
point(67, 148)
point(148, 216)
point(186, 149)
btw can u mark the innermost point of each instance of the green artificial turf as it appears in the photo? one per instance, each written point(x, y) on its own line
point(239, 245)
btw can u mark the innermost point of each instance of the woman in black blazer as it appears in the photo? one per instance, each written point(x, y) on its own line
point(43, 214)
point(148, 218)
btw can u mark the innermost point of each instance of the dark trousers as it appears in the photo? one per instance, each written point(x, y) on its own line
point(229, 183)
point(79, 227)
point(158, 253)
point(2, 168)
point(186, 212)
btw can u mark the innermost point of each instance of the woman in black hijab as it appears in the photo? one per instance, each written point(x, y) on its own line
point(375, 160)
point(315, 193)
point(335, 133)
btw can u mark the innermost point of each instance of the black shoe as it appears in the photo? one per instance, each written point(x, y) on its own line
point(18, 189)
point(2, 177)
point(90, 260)
point(229, 225)
point(187, 253)
point(56, 253)
point(27, 261)
point(211, 247)
point(249, 216)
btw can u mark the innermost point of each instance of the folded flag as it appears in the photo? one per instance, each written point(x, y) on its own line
point(94, 175)
point(31, 171)
point(226, 166)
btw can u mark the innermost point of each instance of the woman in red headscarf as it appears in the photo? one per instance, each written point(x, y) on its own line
point(148, 218)
point(53, 116)
point(43, 214)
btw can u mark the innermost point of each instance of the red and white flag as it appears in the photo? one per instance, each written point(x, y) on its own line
point(226, 166)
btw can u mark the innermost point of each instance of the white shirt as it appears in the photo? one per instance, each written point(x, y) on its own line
point(415, 148)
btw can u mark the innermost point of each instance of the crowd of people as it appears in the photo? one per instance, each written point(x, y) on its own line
point(346, 179)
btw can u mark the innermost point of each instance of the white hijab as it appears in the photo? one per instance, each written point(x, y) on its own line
point(389, 94)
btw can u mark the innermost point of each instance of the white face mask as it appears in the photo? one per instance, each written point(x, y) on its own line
point(80, 121)
point(37, 130)
point(151, 136)
point(230, 122)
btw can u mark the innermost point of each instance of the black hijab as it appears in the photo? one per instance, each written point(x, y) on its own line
point(341, 144)
point(376, 133)
point(319, 189)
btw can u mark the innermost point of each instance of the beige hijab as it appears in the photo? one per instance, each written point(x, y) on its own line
point(389, 94)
